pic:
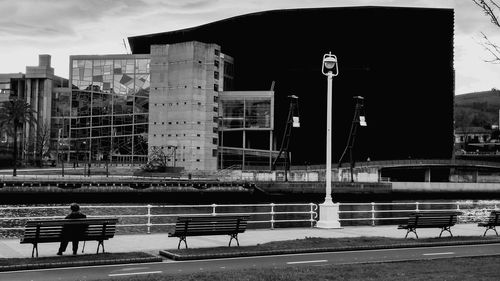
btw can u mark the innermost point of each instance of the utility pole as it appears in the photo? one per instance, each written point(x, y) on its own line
point(357, 120)
point(291, 122)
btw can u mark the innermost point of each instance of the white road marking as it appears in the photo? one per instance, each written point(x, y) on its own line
point(436, 254)
point(134, 273)
point(298, 262)
point(132, 268)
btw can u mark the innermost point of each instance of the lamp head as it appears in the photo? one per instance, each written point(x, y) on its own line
point(330, 65)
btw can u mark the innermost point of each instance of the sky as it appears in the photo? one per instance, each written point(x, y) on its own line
point(86, 27)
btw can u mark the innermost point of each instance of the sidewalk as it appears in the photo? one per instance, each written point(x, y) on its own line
point(153, 243)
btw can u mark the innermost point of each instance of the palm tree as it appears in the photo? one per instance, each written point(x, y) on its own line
point(13, 115)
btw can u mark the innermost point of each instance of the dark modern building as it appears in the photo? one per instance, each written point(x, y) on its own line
point(399, 59)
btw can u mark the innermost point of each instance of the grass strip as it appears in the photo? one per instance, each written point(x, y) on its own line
point(473, 268)
point(78, 260)
point(315, 244)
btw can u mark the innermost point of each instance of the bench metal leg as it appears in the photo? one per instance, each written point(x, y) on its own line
point(100, 243)
point(35, 247)
point(235, 237)
point(414, 230)
point(490, 227)
point(446, 228)
point(182, 238)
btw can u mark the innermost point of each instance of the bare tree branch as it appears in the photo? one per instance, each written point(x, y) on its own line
point(492, 48)
point(489, 8)
point(492, 9)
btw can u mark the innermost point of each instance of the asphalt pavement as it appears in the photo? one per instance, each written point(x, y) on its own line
point(310, 259)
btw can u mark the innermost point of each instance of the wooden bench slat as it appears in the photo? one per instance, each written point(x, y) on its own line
point(492, 222)
point(443, 220)
point(209, 225)
point(88, 229)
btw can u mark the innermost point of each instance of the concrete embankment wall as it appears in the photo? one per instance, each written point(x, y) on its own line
point(361, 174)
point(446, 187)
point(319, 187)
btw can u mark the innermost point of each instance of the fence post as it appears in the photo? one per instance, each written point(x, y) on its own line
point(311, 205)
point(373, 213)
point(272, 215)
point(149, 218)
point(458, 206)
point(213, 209)
point(416, 207)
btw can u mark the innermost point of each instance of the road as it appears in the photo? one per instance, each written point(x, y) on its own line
point(176, 267)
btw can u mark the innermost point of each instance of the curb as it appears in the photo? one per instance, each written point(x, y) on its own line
point(185, 257)
point(77, 263)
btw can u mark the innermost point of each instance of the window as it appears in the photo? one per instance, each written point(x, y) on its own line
point(216, 75)
point(214, 152)
point(216, 119)
point(216, 109)
point(216, 87)
point(198, 135)
point(217, 52)
point(215, 130)
point(197, 160)
point(216, 63)
point(215, 141)
point(216, 99)
point(198, 147)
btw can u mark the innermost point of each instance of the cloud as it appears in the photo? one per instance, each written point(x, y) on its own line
point(49, 18)
point(18, 29)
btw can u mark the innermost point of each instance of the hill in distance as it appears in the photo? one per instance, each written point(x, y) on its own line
point(479, 109)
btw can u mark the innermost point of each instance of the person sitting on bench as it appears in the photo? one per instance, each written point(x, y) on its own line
point(72, 231)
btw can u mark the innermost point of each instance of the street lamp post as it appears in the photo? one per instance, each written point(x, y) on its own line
point(329, 212)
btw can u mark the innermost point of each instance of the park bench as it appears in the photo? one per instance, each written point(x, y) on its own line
point(444, 220)
point(492, 222)
point(50, 231)
point(209, 225)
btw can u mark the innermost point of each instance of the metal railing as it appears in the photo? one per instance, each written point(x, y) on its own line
point(149, 216)
point(374, 213)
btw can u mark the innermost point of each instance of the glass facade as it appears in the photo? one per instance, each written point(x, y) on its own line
point(107, 108)
point(245, 129)
point(247, 112)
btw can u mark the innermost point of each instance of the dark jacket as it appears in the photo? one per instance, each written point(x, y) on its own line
point(76, 215)
point(74, 231)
